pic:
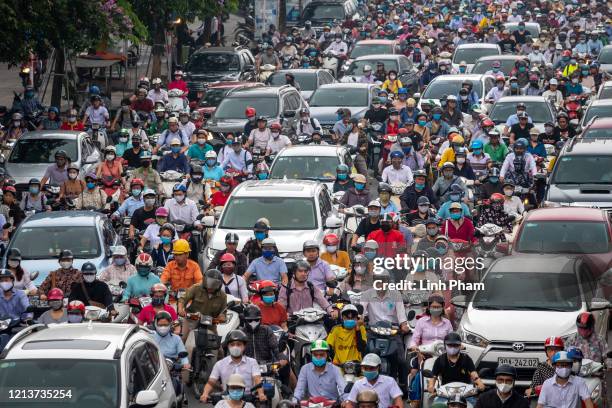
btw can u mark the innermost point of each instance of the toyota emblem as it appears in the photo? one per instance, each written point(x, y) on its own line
point(518, 347)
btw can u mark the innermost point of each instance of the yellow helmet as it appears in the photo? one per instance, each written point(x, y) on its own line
point(181, 246)
point(458, 139)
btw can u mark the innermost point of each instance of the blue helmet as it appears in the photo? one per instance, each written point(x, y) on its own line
point(53, 109)
point(397, 154)
point(179, 187)
point(522, 142)
point(575, 353)
point(561, 357)
point(477, 144)
point(94, 90)
point(402, 91)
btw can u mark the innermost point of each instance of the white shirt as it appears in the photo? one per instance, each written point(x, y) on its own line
point(337, 48)
point(494, 94)
point(276, 145)
point(99, 116)
point(186, 212)
point(260, 139)
point(514, 206)
point(187, 128)
point(515, 19)
point(352, 139)
point(508, 166)
point(158, 96)
point(392, 176)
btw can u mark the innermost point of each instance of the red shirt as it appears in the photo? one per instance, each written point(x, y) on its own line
point(145, 105)
point(147, 314)
point(464, 232)
point(182, 85)
point(389, 243)
point(219, 198)
point(77, 126)
point(274, 314)
point(392, 128)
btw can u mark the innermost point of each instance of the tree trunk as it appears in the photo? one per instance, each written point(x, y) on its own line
point(157, 50)
point(58, 78)
point(282, 15)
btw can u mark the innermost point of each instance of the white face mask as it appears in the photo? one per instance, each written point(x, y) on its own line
point(235, 351)
point(179, 198)
point(162, 330)
point(460, 160)
point(149, 202)
point(89, 277)
point(254, 324)
point(563, 372)
point(509, 192)
point(452, 351)
point(504, 388)
point(110, 157)
point(13, 264)
point(6, 286)
point(360, 270)
point(331, 248)
point(66, 264)
point(338, 40)
point(275, 135)
point(423, 208)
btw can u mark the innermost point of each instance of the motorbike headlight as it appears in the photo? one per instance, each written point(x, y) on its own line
point(596, 393)
point(473, 339)
point(4, 324)
point(488, 240)
point(210, 253)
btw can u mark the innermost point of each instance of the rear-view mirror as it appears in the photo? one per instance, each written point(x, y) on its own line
point(599, 304)
point(208, 221)
point(147, 398)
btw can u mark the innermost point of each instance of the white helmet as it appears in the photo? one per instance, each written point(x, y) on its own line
point(156, 81)
point(367, 68)
point(211, 154)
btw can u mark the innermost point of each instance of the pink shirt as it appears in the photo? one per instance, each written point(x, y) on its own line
point(147, 314)
point(426, 332)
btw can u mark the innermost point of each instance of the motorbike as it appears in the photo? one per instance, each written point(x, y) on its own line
point(258, 155)
point(234, 309)
point(175, 367)
point(303, 138)
point(271, 384)
point(593, 374)
point(428, 354)
point(331, 63)
point(204, 357)
point(98, 136)
point(95, 313)
point(287, 61)
point(177, 101)
point(169, 179)
point(352, 372)
point(374, 133)
point(136, 305)
point(352, 218)
point(112, 187)
point(10, 326)
point(264, 72)
point(381, 338)
point(318, 402)
point(191, 234)
point(305, 327)
point(490, 236)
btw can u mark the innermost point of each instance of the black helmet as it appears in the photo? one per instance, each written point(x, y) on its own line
point(163, 315)
point(384, 187)
point(236, 335)
point(505, 369)
point(252, 312)
point(88, 267)
point(34, 181)
point(5, 273)
point(420, 173)
point(457, 399)
point(494, 172)
point(423, 200)
point(66, 254)
point(261, 226)
point(14, 253)
point(452, 338)
point(215, 277)
point(61, 153)
point(196, 168)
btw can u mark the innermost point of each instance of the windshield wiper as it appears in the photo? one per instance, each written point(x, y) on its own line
point(488, 307)
point(544, 308)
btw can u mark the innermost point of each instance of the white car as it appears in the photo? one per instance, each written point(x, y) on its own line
point(451, 84)
point(526, 299)
point(471, 52)
point(85, 365)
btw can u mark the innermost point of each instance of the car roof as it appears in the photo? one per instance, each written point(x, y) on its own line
point(379, 42)
point(607, 84)
point(501, 57)
point(566, 214)
point(477, 45)
point(588, 147)
point(527, 23)
point(379, 57)
point(90, 334)
point(346, 85)
point(535, 263)
point(233, 84)
point(462, 77)
point(220, 49)
point(602, 123)
point(62, 219)
point(522, 98)
point(277, 188)
point(601, 102)
point(51, 134)
point(299, 71)
point(307, 150)
point(262, 90)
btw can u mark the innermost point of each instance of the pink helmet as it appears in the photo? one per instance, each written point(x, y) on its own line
point(161, 212)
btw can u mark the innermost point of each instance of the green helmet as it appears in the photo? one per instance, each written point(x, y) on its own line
point(319, 345)
point(124, 131)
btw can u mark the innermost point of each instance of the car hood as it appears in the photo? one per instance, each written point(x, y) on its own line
point(581, 195)
point(518, 325)
point(213, 77)
point(44, 266)
point(606, 68)
point(23, 172)
point(326, 115)
point(286, 241)
point(227, 125)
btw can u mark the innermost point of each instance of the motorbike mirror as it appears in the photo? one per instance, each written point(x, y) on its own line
point(288, 113)
point(598, 304)
point(359, 309)
point(208, 221)
point(411, 315)
point(416, 96)
point(122, 285)
point(249, 67)
point(459, 301)
point(331, 284)
point(333, 222)
point(427, 374)
point(34, 275)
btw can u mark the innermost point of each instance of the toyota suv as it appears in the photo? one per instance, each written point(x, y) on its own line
point(85, 365)
point(525, 300)
point(220, 64)
point(298, 210)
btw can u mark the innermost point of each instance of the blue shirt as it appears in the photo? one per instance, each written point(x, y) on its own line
point(268, 271)
point(328, 384)
point(539, 150)
point(138, 286)
point(166, 137)
point(122, 147)
point(213, 174)
point(15, 306)
point(198, 152)
point(320, 273)
point(513, 120)
point(389, 208)
point(169, 162)
point(386, 388)
point(340, 128)
point(130, 205)
point(170, 345)
point(444, 213)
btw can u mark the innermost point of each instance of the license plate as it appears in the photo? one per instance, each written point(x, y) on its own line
point(519, 362)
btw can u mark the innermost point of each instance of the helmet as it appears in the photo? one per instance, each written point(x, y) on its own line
point(267, 286)
point(268, 242)
point(456, 188)
point(370, 244)
point(505, 369)
point(17, 116)
point(94, 90)
point(497, 197)
point(561, 357)
point(252, 312)
point(214, 278)
point(61, 154)
point(144, 259)
point(554, 341)
point(276, 126)
point(5, 273)
point(575, 353)
point(167, 226)
point(88, 267)
point(227, 257)
point(384, 187)
point(162, 212)
point(250, 112)
point(66, 254)
point(585, 320)
point(158, 287)
point(371, 360)
point(181, 246)
point(310, 244)
point(179, 187)
point(137, 182)
point(53, 109)
point(110, 149)
point(396, 154)
point(55, 294)
point(163, 315)
point(349, 308)
point(448, 165)
point(457, 399)
point(477, 144)
point(367, 396)
point(331, 239)
point(419, 173)
point(319, 345)
point(361, 259)
point(262, 119)
point(34, 181)
point(452, 338)
point(195, 168)
point(342, 168)
point(236, 335)
point(14, 253)
point(76, 305)
point(423, 200)
point(522, 142)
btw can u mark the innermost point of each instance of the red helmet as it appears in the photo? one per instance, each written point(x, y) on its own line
point(488, 122)
point(566, 53)
point(10, 189)
point(76, 305)
point(55, 294)
point(227, 257)
point(585, 320)
point(144, 259)
point(250, 112)
point(226, 180)
point(267, 286)
point(276, 126)
point(497, 197)
point(331, 239)
point(158, 287)
point(554, 341)
point(402, 131)
point(137, 182)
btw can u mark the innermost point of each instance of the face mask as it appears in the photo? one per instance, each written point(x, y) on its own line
point(331, 248)
point(504, 388)
point(259, 235)
point(419, 186)
point(406, 149)
point(6, 286)
point(72, 119)
point(34, 190)
point(574, 80)
point(455, 216)
point(211, 162)
point(360, 269)
point(229, 142)
point(509, 192)
point(268, 300)
point(89, 277)
point(373, 213)
point(422, 122)
point(495, 69)
point(165, 240)
point(235, 351)
point(201, 142)
point(66, 264)
point(359, 186)
point(109, 157)
point(349, 324)
point(149, 202)
point(123, 139)
point(500, 86)
point(73, 176)
point(13, 264)
point(460, 160)
point(179, 198)
point(563, 372)
point(436, 116)
point(493, 179)
point(236, 395)
point(338, 40)
point(119, 261)
point(157, 301)
point(369, 255)
point(452, 351)
point(435, 311)
point(370, 375)
point(75, 318)
point(56, 304)
point(144, 272)
point(254, 324)
point(383, 99)
point(267, 253)
point(432, 232)
point(341, 176)
point(162, 330)
point(175, 149)
point(522, 69)
point(455, 197)
point(136, 192)
point(16, 123)
point(262, 176)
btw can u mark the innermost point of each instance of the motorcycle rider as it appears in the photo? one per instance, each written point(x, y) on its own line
point(212, 169)
point(163, 253)
point(260, 136)
point(318, 378)
point(367, 77)
point(169, 136)
point(110, 168)
point(158, 305)
point(545, 370)
point(333, 255)
point(504, 394)
point(181, 272)
point(307, 124)
point(35, 199)
point(149, 175)
point(337, 48)
point(563, 390)
point(495, 214)
point(442, 186)
point(159, 124)
point(390, 240)
point(152, 233)
point(72, 122)
point(57, 313)
point(526, 165)
point(120, 268)
point(231, 243)
point(91, 291)
point(592, 345)
point(30, 103)
point(320, 272)
point(132, 203)
point(367, 224)
point(397, 173)
point(496, 149)
point(176, 160)
point(178, 82)
point(141, 283)
point(75, 311)
point(17, 127)
point(277, 142)
point(253, 247)
point(233, 284)
point(92, 196)
point(412, 193)
point(169, 343)
point(200, 148)
point(389, 394)
point(13, 302)
point(348, 339)
point(342, 182)
point(269, 57)
point(432, 230)
point(273, 313)
point(62, 278)
point(96, 113)
point(52, 121)
point(359, 194)
point(269, 266)
point(300, 293)
point(238, 159)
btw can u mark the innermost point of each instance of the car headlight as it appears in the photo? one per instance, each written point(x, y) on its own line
point(210, 253)
point(473, 339)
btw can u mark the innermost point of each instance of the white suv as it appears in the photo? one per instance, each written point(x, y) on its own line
point(526, 299)
point(85, 365)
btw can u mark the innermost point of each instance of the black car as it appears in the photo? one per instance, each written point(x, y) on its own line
point(220, 64)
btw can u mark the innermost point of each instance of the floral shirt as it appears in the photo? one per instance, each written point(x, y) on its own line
point(63, 280)
point(594, 348)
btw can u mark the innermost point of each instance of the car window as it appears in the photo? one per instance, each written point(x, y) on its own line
point(324, 205)
point(297, 99)
point(588, 283)
point(488, 85)
point(154, 356)
point(108, 234)
point(148, 361)
point(292, 102)
point(136, 377)
point(405, 64)
point(85, 151)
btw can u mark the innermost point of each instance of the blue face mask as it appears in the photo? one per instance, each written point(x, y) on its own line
point(235, 395)
point(370, 375)
point(419, 186)
point(514, 85)
point(262, 176)
point(383, 99)
point(359, 186)
point(406, 149)
point(339, 116)
point(268, 254)
point(318, 362)
point(585, 73)
point(441, 250)
point(260, 235)
point(136, 192)
point(211, 162)
point(462, 70)
point(342, 176)
point(268, 300)
point(90, 185)
point(349, 324)
point(495, 69)
point(165, 240)
point(143, 272)
point(422, 122)
point(436, 116)
point(455, 197)
point(522, 69)
point(477, 152)
point(34, 190)
point(369, 255)
point(228, 142)
point(455, 216)
point(175, 149)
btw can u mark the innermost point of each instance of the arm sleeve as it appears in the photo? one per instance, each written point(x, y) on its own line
point(417, 333)
point(301, 384)
point(108, 297)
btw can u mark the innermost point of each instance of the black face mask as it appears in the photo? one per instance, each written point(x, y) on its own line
point(385, 227)
point(146, 164)
point(136, 144)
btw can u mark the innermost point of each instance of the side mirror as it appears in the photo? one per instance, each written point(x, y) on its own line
point(288, 114)
point(249, 67)
point(34, 275)
point(599, 304)
point(578, 129)
point(147, 398)
point(91, 159)
point(331, 284)
point(208, 221)
point(416, 95)
point(411, 315)
point(459, 301)
point(122, 285)
point(333, 222)
point(484, 372)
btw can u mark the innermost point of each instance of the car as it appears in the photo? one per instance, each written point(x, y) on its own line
point(524, 300)
point(451, 84)
point(87, 364)
point(508, 61)
point(407, 73)
point(325, 12)
point(35, 151)
point(471, 52)
point(276, 103)
point(327, 99)
point(298, 210)
point(41, 237)
point(532, 27)
point(220, 64)
point(582, 175)
point(605, 59)
point(605, 91)
point(597, 128)
point(600, 108)
point(538, 108)
point(369, 47)
point(567, 230)
point(309, 162)
point(215, 93)
point(308, 79)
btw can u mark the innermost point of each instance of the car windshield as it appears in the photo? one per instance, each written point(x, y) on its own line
point(356, 67)
point(436, 89)
point(38, 151)
point(324, 12)
point(71, 382)
point(213, 62)
point(470, 55)
point(213, 97)
point(583, 170)
point(599, 111)
point(339, 97)
point(369, 49)
point(482, 67)
point(284, 213)
point(605, 56)
point(532, 30)
point(538, 111)
point(47, 242)
point(546, 291)
point(606, 92)
point(578, 237)
point(233, 108)
point(305, 167)
point(306, 80)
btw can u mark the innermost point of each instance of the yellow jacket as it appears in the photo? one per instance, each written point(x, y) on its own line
point(392, 86)
point(448, 155)
point(344, 343)
point(342, 259)
point(569, 68)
